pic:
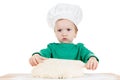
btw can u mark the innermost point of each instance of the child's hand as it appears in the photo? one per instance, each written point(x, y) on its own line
point(36, 59)
point(92, 63)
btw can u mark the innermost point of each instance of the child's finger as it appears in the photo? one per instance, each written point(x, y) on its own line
point(91, 65)
point(87, 65)
point(34, 62)
point(95, 65)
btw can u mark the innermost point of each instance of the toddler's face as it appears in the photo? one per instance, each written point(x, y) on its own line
point(65, 31)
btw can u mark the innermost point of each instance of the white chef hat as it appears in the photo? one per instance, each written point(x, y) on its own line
point(64, 11)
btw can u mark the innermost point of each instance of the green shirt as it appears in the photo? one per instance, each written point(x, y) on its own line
point(67, 51)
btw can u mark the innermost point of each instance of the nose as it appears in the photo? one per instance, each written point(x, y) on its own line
point(64, 32)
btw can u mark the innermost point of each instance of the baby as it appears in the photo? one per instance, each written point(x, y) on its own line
point(64, 18)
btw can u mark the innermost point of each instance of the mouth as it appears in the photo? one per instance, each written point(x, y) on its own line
point(64, 39)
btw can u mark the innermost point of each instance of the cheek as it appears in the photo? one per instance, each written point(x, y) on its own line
point(57, 35)
point(74, 35)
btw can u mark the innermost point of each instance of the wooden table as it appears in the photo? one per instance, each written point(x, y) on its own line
point(87, 76)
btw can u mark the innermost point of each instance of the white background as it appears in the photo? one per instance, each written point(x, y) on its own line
point(24, 30)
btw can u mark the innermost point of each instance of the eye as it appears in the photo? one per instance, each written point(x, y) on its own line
point(68, 29)
point(59, 30)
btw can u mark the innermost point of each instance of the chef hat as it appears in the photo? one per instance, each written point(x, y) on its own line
point(64, 11)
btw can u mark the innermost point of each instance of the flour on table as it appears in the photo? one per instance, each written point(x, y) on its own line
point(59, 68)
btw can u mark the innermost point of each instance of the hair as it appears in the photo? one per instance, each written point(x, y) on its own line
point(76, 29)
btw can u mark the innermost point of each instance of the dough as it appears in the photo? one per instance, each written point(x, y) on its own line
point(58, 68)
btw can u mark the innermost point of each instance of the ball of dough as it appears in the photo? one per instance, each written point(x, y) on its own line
point(59, 69)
